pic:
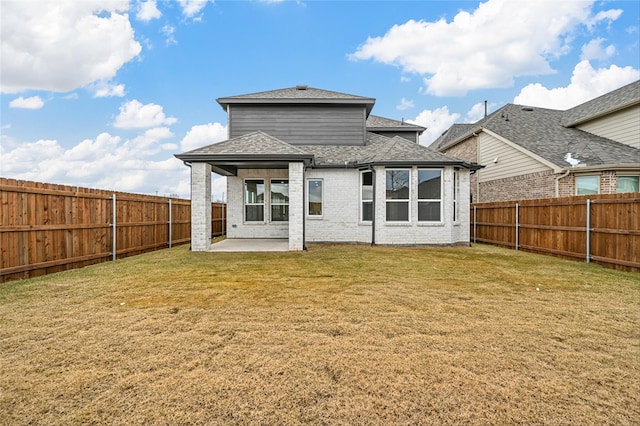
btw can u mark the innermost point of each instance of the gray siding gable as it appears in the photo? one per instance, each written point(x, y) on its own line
point(301, 124)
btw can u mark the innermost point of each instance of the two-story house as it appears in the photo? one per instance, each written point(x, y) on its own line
point(531, 152)
point(311, 165)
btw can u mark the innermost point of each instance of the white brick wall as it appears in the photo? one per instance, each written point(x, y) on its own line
point(340, 221)
point(200, 206)
point(341, 208)
point(296, 206)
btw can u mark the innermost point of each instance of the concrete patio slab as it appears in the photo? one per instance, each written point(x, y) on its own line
point(251, 244)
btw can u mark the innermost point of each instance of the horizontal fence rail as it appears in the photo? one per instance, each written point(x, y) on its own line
point(604, 229)
point(46, 228)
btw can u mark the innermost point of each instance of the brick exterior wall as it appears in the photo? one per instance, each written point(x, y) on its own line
point(340, 221)
point(200, 207)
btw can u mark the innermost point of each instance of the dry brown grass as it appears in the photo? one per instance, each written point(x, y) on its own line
point(336, 335)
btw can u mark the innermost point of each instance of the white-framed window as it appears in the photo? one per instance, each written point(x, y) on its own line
point(430, 195)
point(398, 194)
point(279, 200)
point(627, 184)
point(366, 196)
point(254, 200)
point(315, 197)
point(456, 195)
point(587, 185)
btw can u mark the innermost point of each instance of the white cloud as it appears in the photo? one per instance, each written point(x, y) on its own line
point(103, 89)
point(106, 162)
point(63, 45)
point(169, 32)
point(404, 104)
point(203, 135)
point(135, 115)
point(586, 83)
point(477, 112)
point(34, 102)
point(470, 53)
point(436, 121)
point(594, 50)
point(147, 11)
point(190, 8)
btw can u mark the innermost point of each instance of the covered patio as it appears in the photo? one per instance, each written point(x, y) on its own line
point(251, 245)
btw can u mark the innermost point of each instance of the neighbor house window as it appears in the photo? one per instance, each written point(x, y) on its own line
point(397, 195)
point(429, 195)
point(627, 184)
point(366, 214)
point(587, 185)
point(254, 200)
point(315, 197)
point(279, 200)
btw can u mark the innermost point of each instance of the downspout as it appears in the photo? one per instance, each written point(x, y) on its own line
point(373, 216)
point(304, 212)
point(188, 163)
point(557, 181)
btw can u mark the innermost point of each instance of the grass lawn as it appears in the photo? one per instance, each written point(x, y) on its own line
point(336, 335)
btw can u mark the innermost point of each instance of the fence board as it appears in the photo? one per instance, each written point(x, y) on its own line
point(558, 226)
point(47, 228)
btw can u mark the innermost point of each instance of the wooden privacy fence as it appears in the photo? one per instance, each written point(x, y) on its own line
point(598, 228)
point(47, 228)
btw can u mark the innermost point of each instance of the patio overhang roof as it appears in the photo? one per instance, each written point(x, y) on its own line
point(228, 164)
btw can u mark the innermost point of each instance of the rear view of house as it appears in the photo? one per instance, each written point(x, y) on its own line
point(311, 165)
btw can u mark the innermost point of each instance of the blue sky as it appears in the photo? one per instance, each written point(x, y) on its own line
point(104, 93)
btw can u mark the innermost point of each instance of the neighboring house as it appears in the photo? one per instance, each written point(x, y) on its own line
point(313, 165)
point(530, 152)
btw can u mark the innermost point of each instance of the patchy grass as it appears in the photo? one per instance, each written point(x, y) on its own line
point(337, 335)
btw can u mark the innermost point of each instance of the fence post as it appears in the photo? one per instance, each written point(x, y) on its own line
point(475, 208)
point(170, 225)
point(517, 225)
point(113, 255)
point(588, 248)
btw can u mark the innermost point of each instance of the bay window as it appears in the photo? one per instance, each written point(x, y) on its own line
point(366, 195)
point(397, 195)
point(430, 195)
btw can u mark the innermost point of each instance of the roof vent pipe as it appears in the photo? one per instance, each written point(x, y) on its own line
point(485, 108)
point(302, 87)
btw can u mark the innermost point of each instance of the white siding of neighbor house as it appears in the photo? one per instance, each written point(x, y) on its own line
point(511, 161)
point(621, 126)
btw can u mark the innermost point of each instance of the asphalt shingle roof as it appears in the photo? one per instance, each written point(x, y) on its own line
point(377, 150)
point(377, 122)
point(296, 93)
point(622, 97)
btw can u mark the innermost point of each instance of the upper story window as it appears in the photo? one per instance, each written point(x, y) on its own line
point(430, 195)
point(314, 207)
point(627, 184)
point(397, 195)
point(587, 185)
point(254, 200)
point(279, 200)
point(366, 196)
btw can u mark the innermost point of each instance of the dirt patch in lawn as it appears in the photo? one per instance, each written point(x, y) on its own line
point(336, 335)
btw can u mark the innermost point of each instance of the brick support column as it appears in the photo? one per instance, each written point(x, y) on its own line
point(200, 207)
point(296, 206)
